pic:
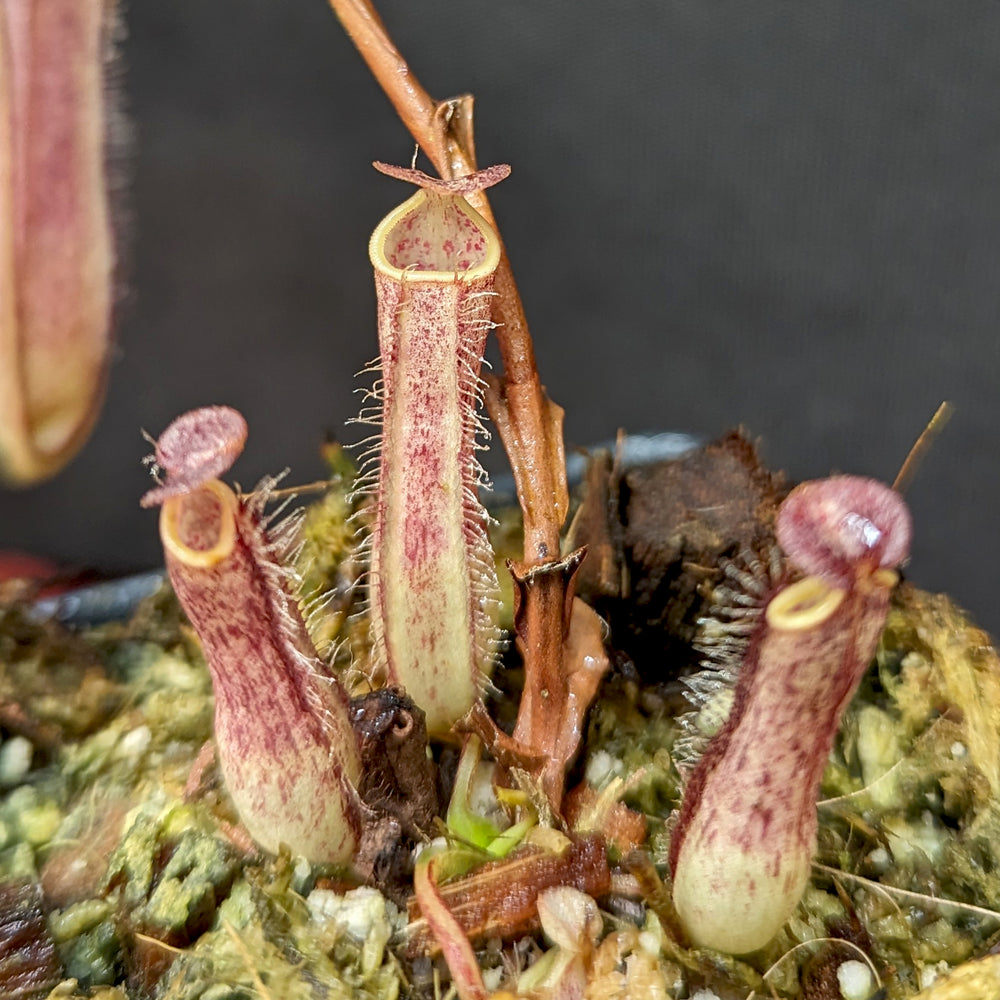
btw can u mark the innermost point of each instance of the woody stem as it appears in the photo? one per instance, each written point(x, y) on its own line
point(530, 425)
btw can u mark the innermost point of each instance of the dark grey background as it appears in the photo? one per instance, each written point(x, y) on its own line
point(778, 214)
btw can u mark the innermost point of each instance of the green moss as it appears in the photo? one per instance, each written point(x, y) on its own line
point(78, 918)
point(327, 562)
point(35, 817)
point(268, 941)
point(625, 741)
point(17, 863)
point(170, 870)
point(92, 957)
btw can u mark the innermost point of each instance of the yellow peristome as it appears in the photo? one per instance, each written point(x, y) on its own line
point(803, 605)
point(431, 207)
point(200, 558)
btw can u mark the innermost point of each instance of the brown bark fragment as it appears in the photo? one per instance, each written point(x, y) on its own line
point(617, 823)
point(671, 527)
point(500, 898)
point(396, 774)
point(29, 965)
point(398, 786)
point(597, 526)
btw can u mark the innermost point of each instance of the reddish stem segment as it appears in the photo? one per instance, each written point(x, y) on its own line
point(458, 953)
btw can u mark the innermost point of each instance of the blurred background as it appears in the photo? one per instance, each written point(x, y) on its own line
point(780, 215)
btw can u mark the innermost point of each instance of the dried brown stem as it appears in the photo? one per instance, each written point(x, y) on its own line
point(922, 446)
point(500, 899)
point(530, 424)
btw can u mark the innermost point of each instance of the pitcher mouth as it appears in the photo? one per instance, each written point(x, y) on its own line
point(199, 528)
point(804, 605)
point(439, 236)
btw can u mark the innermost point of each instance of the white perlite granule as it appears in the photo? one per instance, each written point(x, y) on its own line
point(134, 743)
point(929, 974)
point(855, 980)
point(15, 760)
